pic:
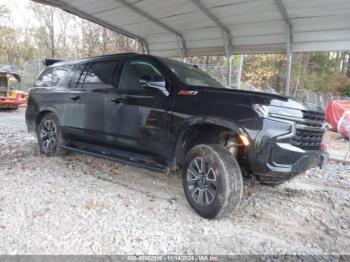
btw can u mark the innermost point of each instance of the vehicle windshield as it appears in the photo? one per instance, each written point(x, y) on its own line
point(190, 74)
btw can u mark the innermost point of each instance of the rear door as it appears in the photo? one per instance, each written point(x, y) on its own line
point(70, 108)
point(94, 90)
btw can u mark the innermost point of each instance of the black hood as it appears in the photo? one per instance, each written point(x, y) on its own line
point(230, 95)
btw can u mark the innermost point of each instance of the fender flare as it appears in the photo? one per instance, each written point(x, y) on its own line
point(48, 108)
point(184, 129)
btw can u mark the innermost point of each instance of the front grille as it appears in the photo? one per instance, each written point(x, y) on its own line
point(312, 115)
point(308, 140)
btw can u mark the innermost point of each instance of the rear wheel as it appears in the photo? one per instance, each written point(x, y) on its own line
point(49, 136)
point(212, 181)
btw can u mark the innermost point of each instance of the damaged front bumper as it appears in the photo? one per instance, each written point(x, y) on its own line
point(274, 157)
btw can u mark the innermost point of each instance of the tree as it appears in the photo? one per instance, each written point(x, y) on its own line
point(91, 37)
point(45, 15)
point(4, 13)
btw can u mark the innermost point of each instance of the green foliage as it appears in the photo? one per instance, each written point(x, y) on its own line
point(55, 33)
point(323, 74)
point(346, 90)
point(264, 70)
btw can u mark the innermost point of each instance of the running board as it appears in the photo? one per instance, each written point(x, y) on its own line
point(138, 162)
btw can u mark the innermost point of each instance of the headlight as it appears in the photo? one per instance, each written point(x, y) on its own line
point(261, 110)
point(276, 111)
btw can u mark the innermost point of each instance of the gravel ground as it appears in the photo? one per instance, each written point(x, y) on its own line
point(335, 141)
point(79, 204)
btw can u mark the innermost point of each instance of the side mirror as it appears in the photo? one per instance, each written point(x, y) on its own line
point(154, 82)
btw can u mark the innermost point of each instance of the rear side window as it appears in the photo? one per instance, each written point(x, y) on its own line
point(45, 79)
point(76, 77)
point(101, 75)
point(51, 77)
point(58, 75)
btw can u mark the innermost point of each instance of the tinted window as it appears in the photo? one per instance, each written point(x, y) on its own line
point(58, 75)
point(45, 79)
point(137, 69)
point(75, 78)
point(190, 74)
point(51, 77)
point(101, 75)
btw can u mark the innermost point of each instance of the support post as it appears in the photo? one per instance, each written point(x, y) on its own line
point(182, 48)
point(228, 51)
point(239, 73)
point(229, 70)
point(280, 5)
point(143, 47)
point(24, 76)
point(289, 61)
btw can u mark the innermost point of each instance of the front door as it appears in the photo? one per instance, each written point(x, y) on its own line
point(140, 118)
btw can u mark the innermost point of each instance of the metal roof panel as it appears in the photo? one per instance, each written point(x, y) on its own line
point(252, 25)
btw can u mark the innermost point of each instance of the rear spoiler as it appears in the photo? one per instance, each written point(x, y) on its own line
point(51, 61)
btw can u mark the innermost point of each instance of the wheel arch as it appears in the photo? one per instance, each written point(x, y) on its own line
point(43, 112)
point(200, 130)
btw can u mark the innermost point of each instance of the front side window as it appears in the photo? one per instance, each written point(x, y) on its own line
point(101, 75)
point(135, 70)
point(190, 74)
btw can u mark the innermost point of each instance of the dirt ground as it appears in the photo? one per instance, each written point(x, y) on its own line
point(334, 141)
point(79, 204)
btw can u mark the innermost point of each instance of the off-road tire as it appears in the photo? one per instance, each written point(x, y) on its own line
point(56, 149)
point(229, 181)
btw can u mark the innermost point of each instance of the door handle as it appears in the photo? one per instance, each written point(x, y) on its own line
point(75, 98)
point(118, 100)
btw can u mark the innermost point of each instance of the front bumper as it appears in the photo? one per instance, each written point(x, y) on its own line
point(10, 102)
point(306, 161)
point(274, 157)
point(6, 102)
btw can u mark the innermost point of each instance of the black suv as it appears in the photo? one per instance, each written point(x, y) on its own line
point(163, 114)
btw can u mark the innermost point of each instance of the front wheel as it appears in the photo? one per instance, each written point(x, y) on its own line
point(49, 136)
point(212, 181)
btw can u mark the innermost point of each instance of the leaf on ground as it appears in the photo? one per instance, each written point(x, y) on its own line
point(91, 204)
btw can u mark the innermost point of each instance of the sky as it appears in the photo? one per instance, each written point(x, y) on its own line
point(21, 15)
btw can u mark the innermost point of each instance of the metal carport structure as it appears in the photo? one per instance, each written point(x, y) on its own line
point(222, 27)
